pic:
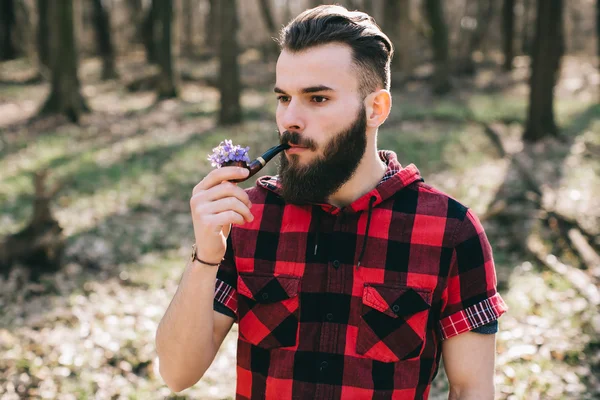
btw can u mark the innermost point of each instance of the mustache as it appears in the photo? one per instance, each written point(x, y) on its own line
point(297, 140)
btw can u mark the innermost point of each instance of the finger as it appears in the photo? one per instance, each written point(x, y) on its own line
point(219, 175)
point(226, 204)
point(226, 218)
point(223, 190)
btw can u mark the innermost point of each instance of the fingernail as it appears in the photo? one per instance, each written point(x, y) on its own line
point(244, 171)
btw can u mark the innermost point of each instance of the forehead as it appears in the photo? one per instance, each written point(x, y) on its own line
point(330, 65)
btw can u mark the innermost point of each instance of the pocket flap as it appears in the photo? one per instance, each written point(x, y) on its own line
point(267, 288)
point(396, 301)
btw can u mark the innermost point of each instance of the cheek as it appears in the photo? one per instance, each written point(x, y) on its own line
point(278, 115)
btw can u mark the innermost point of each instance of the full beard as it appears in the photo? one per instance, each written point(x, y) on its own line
point(316, 181)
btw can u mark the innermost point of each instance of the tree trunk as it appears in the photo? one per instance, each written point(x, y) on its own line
point(24, 34)
point(483, 11)
point(598, 31)
point(267, 14)
point(65, 96)
point(167, 87)
point(398, 26)
point(229, 75)
point(40, 245)
point(528, 26)
point(136, 15)
point(508, 29)
point(211, 33)
point(104, 42)
point(405, 38)
point(391, 20)
point(43, 33)
point(149, 32)
point(547, 49)
point(439, 43)
point(189, 7)
point(7, 30)
point(271, 48)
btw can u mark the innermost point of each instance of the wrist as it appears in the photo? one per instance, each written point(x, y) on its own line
point(195, 258)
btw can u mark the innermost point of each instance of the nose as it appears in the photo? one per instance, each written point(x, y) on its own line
point(291, 118)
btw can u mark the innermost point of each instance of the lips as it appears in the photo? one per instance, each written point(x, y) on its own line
point(295, 149)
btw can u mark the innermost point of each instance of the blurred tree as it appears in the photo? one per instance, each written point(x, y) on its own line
point(43, 36)
point(41, 244)
point(189, 6)
point(25, 38)
point(475, 24)
point(508, 30)
point(166, 83)
point(149, 32)
point(211, 33)
point(287, 11)
point(439, 43)
point(104, 40)
point(548, 48)
point(398, 26)
point(267, 14)
point(369, 7)
point(229, 74)
point(65, 96)
point(528, 26)
point(8, 50)
point(391, 20)
point(271, 48)
point(136, 13)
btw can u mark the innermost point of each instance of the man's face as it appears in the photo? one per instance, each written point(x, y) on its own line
point(322, 115)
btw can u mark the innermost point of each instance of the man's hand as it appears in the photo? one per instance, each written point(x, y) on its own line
point(215, 205)
point(469, 361)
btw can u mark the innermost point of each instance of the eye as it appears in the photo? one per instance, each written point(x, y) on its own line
point(283, 99)
point(319, 99)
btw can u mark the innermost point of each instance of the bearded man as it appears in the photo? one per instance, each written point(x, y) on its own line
point(349, 277)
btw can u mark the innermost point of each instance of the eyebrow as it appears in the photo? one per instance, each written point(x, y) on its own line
point(310, 89)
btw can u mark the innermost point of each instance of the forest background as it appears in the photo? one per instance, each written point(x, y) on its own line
point(108, 109)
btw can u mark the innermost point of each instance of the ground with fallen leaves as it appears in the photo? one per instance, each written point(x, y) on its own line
point(129, 169)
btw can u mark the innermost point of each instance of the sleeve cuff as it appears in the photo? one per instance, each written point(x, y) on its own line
point(473, 317)
point(226, 298)
point(218, 307)
point(488, 329)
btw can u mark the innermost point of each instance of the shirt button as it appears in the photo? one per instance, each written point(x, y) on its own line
point(396, 308)
point(329, 316)
point(324, 365)
point(265, 296)
point(336, 263)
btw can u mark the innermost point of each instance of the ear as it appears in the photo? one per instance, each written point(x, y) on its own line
point(378, 105)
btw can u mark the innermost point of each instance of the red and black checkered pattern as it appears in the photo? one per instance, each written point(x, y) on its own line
point(316, 323)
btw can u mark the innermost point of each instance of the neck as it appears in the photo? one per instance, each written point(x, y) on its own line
point(368, 174)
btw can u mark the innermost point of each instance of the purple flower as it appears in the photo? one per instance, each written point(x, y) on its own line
point(226, 152)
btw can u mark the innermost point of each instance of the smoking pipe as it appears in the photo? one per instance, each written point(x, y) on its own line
point(259, 163)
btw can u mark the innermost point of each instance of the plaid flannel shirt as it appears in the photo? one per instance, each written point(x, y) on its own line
point(353, 303)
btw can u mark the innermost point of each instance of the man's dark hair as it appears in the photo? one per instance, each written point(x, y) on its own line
point(372, 50)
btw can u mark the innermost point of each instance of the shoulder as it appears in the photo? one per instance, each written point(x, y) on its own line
point(424, 199)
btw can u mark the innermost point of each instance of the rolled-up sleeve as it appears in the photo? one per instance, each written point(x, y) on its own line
point(225, 300)
point(470, 298)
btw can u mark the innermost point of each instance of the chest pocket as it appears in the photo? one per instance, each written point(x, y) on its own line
point(268, 309)
point(393, 323)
